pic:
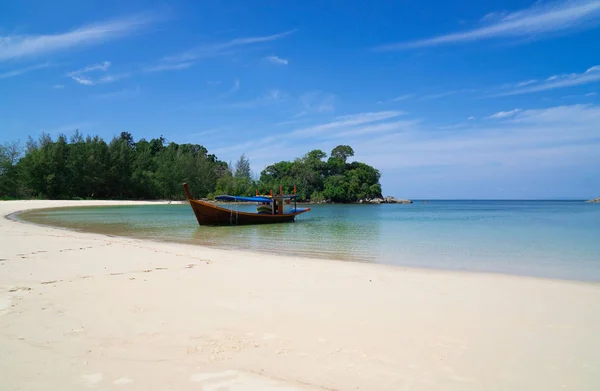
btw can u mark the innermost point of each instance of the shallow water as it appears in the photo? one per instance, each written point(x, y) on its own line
point(556, 239)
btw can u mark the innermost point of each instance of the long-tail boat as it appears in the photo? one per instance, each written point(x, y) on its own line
point(270, 209)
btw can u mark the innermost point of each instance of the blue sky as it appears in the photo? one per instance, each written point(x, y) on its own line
point(474, 99)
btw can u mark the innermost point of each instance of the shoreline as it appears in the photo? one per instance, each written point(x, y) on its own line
point(261, 251)
point(14, 217)
point(123, 313)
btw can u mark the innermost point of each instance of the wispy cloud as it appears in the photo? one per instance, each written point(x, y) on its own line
point(535, 22)
point(20, 71)
point(218, 49)
point(375, 130)
point(235, 87)
point(403, 97)
point(58, 86)
point(67, 129)
point(346, 123)
point(170, 67)
point(81, 77)
point(526, 83)
point(19, 46)
point(447, 93)
point(207, 132)
point(271, 96)
point(425, 97)
point(119, 94)
point(324, 131)
point(504, 114)
point(471, 118)
point(591, 75)
point(317, 102)
point(277, 60)
point(214, 98)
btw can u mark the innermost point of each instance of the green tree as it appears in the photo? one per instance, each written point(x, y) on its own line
point(342, 152)
point(9, 172)
point(242, 169)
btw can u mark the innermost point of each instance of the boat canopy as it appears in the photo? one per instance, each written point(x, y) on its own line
point(243, 199)
point(255, 198)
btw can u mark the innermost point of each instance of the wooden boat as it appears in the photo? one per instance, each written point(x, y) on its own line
point(279, 205)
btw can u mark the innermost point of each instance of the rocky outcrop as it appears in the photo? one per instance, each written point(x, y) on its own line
point(595, 200)
point(386, 200)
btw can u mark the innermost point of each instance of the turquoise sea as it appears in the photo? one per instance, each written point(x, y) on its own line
point(555, 239)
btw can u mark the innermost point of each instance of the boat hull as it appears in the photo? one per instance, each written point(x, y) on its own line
point(209, 214)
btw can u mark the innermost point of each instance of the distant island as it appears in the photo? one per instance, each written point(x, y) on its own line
point(89, 168)
point(594, 200)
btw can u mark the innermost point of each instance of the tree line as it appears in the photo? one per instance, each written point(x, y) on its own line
point(89, 168)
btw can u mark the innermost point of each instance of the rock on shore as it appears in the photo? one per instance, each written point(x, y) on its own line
point(386, 200)
point(595, 200)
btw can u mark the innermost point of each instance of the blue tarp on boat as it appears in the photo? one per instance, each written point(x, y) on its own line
point(243, 199)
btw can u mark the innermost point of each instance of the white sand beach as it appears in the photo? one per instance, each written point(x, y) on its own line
point(87, 311)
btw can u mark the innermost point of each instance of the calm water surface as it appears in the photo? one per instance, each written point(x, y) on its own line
point(557, 239)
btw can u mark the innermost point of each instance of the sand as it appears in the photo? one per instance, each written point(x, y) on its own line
point(86, 311)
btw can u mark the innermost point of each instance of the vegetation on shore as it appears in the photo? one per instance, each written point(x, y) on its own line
point(91, 168)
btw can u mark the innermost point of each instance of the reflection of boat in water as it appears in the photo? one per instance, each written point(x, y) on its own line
point(271, 209)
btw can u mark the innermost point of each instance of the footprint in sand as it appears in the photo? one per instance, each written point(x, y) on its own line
point(19, 288)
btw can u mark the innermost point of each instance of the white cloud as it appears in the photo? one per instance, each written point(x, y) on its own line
point(113, 78)
point(82, 80)
point(591, 75)
point(67, 129)
point(403, 97)
point(438, 95)
point(328, 130)
point(471, 118)
point(590, 94)
point(447, 93)
point(218, 49)
point(348, 121)
point(58, 86)
point(277, 60)
point(317, 102)
point(20, 71)
point(376, 129)
point(170, 67)
point(80, 75)
point(526, 83)
point(119, 94)
point(504, 114)
point(535, 22)
point(235, 87)
point(19, 46)
point(271, 96)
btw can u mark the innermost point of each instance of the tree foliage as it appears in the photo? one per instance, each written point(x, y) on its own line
point(91, 168)
point(317, 180)
point(125, 169)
